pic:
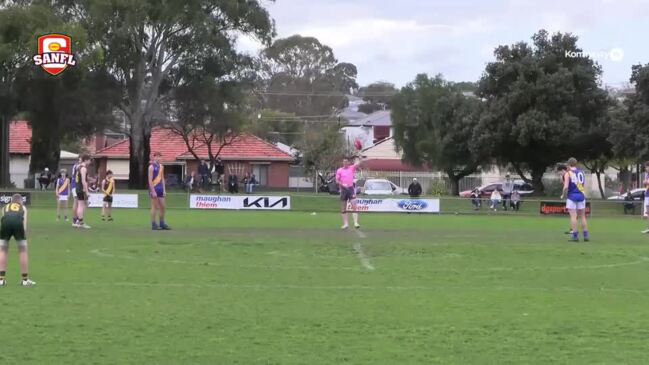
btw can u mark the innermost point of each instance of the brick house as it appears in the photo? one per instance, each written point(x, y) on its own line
point(246, 154)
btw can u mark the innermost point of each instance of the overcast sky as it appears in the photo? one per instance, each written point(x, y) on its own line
point(393, 40)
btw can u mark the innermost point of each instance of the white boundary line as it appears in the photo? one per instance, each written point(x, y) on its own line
point(344, 287)
point(365, 261)
point(360, 252)
point(100, 253)
point(358, 248)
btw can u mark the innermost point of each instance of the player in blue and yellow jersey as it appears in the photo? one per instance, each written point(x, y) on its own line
point(62, 190)
point(108, 188)
point(645, 212)
point(158, 192)
point(14, 224)
point(574, 191)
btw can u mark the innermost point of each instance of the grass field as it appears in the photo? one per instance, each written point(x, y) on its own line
point(290, 288)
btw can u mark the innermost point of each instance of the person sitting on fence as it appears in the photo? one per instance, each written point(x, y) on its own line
point(414, 190)
point(475, 199)
point(515, 200)
point(44, 179)
point(250, 186)
point(496, 198)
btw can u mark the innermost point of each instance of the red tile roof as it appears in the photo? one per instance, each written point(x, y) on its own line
point(173, 148)
point(20, 137)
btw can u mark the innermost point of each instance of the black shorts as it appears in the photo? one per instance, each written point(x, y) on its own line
point(108, 199)
point(347, 194)
point(12, 229)
point(81, 196)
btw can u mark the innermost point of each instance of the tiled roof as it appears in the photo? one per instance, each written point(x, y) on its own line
point(173, 148)
point(20, 137)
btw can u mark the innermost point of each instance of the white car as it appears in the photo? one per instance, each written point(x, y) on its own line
point(381, 187)
point(636, 194)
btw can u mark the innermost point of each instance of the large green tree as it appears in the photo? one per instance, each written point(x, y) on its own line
point(73, 104)
point(539, 100)
point(433, 124)
point(145, 41)
point(302, 76)
point(376, 96)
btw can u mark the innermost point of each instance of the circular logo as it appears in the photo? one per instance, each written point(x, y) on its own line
point(616, 54)
point(54, 47)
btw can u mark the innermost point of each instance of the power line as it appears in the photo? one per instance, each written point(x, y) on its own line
point(306, 93)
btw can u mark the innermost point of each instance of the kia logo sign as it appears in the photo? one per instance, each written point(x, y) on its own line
point(265, 202)
point(412, 204)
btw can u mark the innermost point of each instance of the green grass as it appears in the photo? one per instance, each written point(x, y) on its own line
point(290, 288)
point(311, 202)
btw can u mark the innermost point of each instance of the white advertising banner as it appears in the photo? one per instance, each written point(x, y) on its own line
point(119, 200)
point(397, 205)
point(246, 202)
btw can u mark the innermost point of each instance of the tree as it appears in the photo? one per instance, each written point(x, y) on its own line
point(206, 115)
point(379, 92)
point(302, 76)
point(433, 123)
point(144, 41)
point(638, 111)
point(73, 104)
point(323, 148)
point(278, 126)
point(538, 100)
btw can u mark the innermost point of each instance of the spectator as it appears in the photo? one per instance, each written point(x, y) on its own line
point(414, 190)
point(233, 184)
point(190, 184)
point(251, 184)
point(508, 188)
point(219, 168)
point(93, 187)
point(45, 178)
point(475, 199)
point(204, 173)
point(629, 207)
point(244, 181)
point(496, 199)
point(515, 201)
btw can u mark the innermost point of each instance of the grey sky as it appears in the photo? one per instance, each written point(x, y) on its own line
point(393, 40)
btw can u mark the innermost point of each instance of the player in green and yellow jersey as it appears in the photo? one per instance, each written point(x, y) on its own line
point(14, 224)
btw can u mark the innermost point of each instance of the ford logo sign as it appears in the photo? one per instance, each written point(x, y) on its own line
point(413, 204)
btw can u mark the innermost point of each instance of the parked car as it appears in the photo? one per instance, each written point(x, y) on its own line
point(636, 194)
point(381, 187)
point(485, 191)
point(333, 188)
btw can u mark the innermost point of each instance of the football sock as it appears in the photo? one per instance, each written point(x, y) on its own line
point(575, 235)
point(2, 275)
point(25, 276)
point(585, 234)
point(162, 223)
point(355, 216)
point(345, 219)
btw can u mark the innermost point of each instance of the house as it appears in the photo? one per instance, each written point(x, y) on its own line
point(383, 156)
point(370, 129)
point(246, 154)
point(20, 136)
